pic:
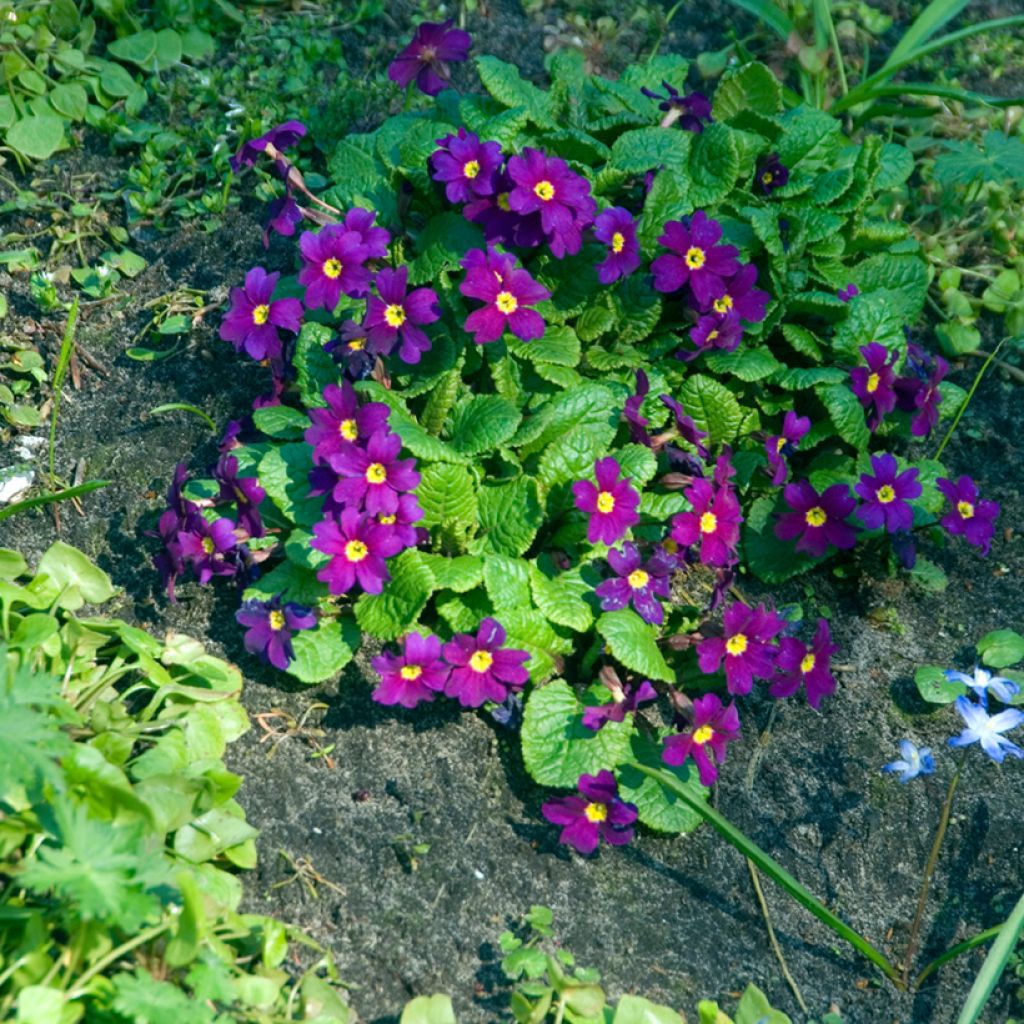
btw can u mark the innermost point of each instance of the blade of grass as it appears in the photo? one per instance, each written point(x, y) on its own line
point(67, 346)
point(827, 27)
point(767, 12)
point(864, 90)
point(927, 23)
point(51, 498)
point(185, 407)
point(773, 869)
point(994, 965)
point(961, 947)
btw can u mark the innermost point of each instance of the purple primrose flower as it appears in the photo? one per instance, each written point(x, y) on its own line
point(611, 503)
point(807, 666)
point(640, 583)
point(631, 411)
point(616, 227)
point(245, 492)
point(374, 475)
point(695, 257)
point(508, 291)
point(705, 738)
point(794, 428)
point(398, 315)
point(596, 813)
point(714, 331)
point(713, 521)
point(692, 111)
point(886, 494)
point(375, 239)
point(252, 322)
point(402, 521)
point(282, 215)
point(483, 669)
point(332, 264)
point(467, 166)
point(685, 425)
point(817, 520)
point(270, 627)
point(547, 186)
point(345, 421)
point(500, 223)
point(625, 699)
point(847, 293)
point(358, 548)
point(874, 384)
point(746, 646)
point(206, 546)
point(981, 727)
point(772, 174)
point(284, 136)
point(434, 45)
point(741, 298)
point(969, 517)
point(417, 674)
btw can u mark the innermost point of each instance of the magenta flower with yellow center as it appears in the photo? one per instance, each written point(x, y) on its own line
point(695, 257)
point(251, 324)
point(596, 813)
point(508, 292)
point(332, 265)
point(817, 520)
point(270, 625)
point(343, 422)
point(483, 669)
point(416, 675)
point(704, 739)
point(358, 548)
point(610, 503)
point(746, 647)
point(969, 516)
point(392, 314)
point(808, 666)
point(886, 494)
point(374, 475)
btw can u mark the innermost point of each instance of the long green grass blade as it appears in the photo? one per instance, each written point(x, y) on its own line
point(772, 16)
point(67, 347)
point(865, 90)
point(49, 499)
point(954, 951)
point(927, 23)
point(185, 407)
point(994, 965)
point(772, 868)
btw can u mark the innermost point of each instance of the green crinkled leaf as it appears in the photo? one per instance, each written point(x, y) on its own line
point(572, 282)
point(510, 516)
point(559, 345)
point(811, 138)
point(558, 748)
point(355, 171)
point(657, 807)
point(441, 245)
point(636, 308)
point(847, 414)
point(751, 87)
point(662, 506)
point(637, 463)
point(713, 407)
point(632, 643)
point(421, 443)
point(1001, 648)
point(907, 276)
point(749, 364)
point(530, 631)
point(281, 421)
point(561, 598)
point(644, 149)
point(507, 86)
point(284, 474)
point(571, 457)
point(801, 378)
point(714, 165)
point(323, 652)
point(588, 405)
point(802, 340)
point(929, 576)
point(669, 198)
point(507, 581)
point(769, 558)
point(390, 614)
point(481, 423)
point(314, 368)
point(458, 574)
point(294, 582)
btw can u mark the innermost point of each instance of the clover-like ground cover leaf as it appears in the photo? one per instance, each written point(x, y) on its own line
point(632, 643)
point(558, 748)
point(1001, 648)
point(390, 614)
point(637, 1010)
point(658, 807)
point(71, 571)
point(934, 687)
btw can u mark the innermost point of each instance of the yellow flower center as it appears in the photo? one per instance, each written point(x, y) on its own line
point(276, 619)
point(886, 494)
point(780, 444)
point(544, 190)
point(596, 813)
point(208, 546)
point(966, 509)
point(708, 522)
point(712, 335)
point(507, 303)
point(471, 169)
point(638, 579)
point(702, 735)
point(357, 344)
point(695, 258)
point(260, 314)
point(502, 201)
point(767, 178)
point(722, 305)
point(332, 268)
point(618, 241)
point(394, 315)
point(736, 644)
point(386, 520)
point(348, 430)
point(410, 672)
point(816, 516)
point(481, 661)
point(376, 473)
point(356, 550)
point(807, 664)
point(605, 502)
point(872, 385)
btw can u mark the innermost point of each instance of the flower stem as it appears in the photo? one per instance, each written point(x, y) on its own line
point(970, 394)
point(929, 871)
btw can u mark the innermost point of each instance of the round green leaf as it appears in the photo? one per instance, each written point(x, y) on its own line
point(36, 137)
point(320, 653)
